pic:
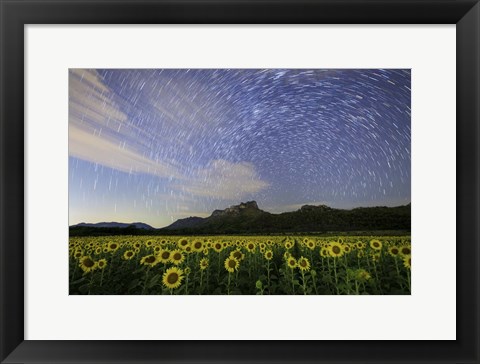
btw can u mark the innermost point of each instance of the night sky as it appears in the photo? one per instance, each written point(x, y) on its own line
point(158, 145)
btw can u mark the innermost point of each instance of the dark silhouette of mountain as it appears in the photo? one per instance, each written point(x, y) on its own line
point(189, 222)
point(248, 218)
point(136, 225)
point(239, 216)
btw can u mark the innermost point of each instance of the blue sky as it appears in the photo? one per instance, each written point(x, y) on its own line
point(158, 145)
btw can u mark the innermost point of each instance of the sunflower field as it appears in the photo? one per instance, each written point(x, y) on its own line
point(234, 265)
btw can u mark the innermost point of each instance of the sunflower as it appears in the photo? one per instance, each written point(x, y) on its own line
point(150, 260)
point(203, 263)
point(268, 255)
point(250, 247)
point(231, 264)
point(288, 245)
point(87, 264)
point(218, 247)
point(237, 254)
point(176, 257)
point(112, 246)
point(164, 256)
point(405, 250)
point(157, 249)
point(362, 275)
point(183, 243)
point(360, 244)
point(303, 264)
point(149, 243)
point(407, 261)
point(292, 263)
point(205, 251)
point(324, 252)
point(393, 251)
point(129, 254)
point(98, 250)
point(137, 245)
point(197, 246)
point(335, 249)
point(187, 270)
point(310, 244)
point(286, 255)
point(78, 254)
point(346, 248)
point(376, 244)
point(172, 278)
point(263, 246)
point(102, 263)
point(375, 257)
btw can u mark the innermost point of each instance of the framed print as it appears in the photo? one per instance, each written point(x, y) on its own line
point(235, 181)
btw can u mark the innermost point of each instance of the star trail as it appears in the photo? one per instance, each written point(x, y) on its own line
point(159, 145)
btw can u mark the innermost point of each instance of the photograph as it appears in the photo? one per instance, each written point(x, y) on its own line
point(239, 181)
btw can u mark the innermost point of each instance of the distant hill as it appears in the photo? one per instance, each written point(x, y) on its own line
point(248, 218)
point(137, 225)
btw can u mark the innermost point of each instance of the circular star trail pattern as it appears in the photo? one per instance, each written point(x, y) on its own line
point(282, 137)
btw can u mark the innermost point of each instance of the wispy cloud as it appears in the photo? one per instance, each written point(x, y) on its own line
point(108, 152)
point(95, 129)
point(100, 132)
point(225, 180)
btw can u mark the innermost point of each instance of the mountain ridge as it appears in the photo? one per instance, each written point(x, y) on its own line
point(248, 218)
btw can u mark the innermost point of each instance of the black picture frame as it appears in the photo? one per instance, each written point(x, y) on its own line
point(15, 14)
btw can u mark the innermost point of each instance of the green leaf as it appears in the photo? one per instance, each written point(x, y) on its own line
point(155, 279)
point(133, 284)
point(79, 280)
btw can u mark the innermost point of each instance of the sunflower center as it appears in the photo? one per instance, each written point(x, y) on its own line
point(336, 249)
point(129, 254)
point(395, 251)
point(198, 245)
point(172, 278)
point(113, 246)
point(88, 263)
point(150, 259)
point(231, 264)
point(101, 264)
point(376, 245)
point(406, 251)
point(177, 256)
point(237, 255)
point(165, 255)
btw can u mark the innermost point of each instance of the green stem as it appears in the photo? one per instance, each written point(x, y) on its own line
point(293, 283)
point(101, 277)
point(145, 283)
point(304, 283)
point(91, 281)
point(228, 287)
point(268, 276)
point(335, 272)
